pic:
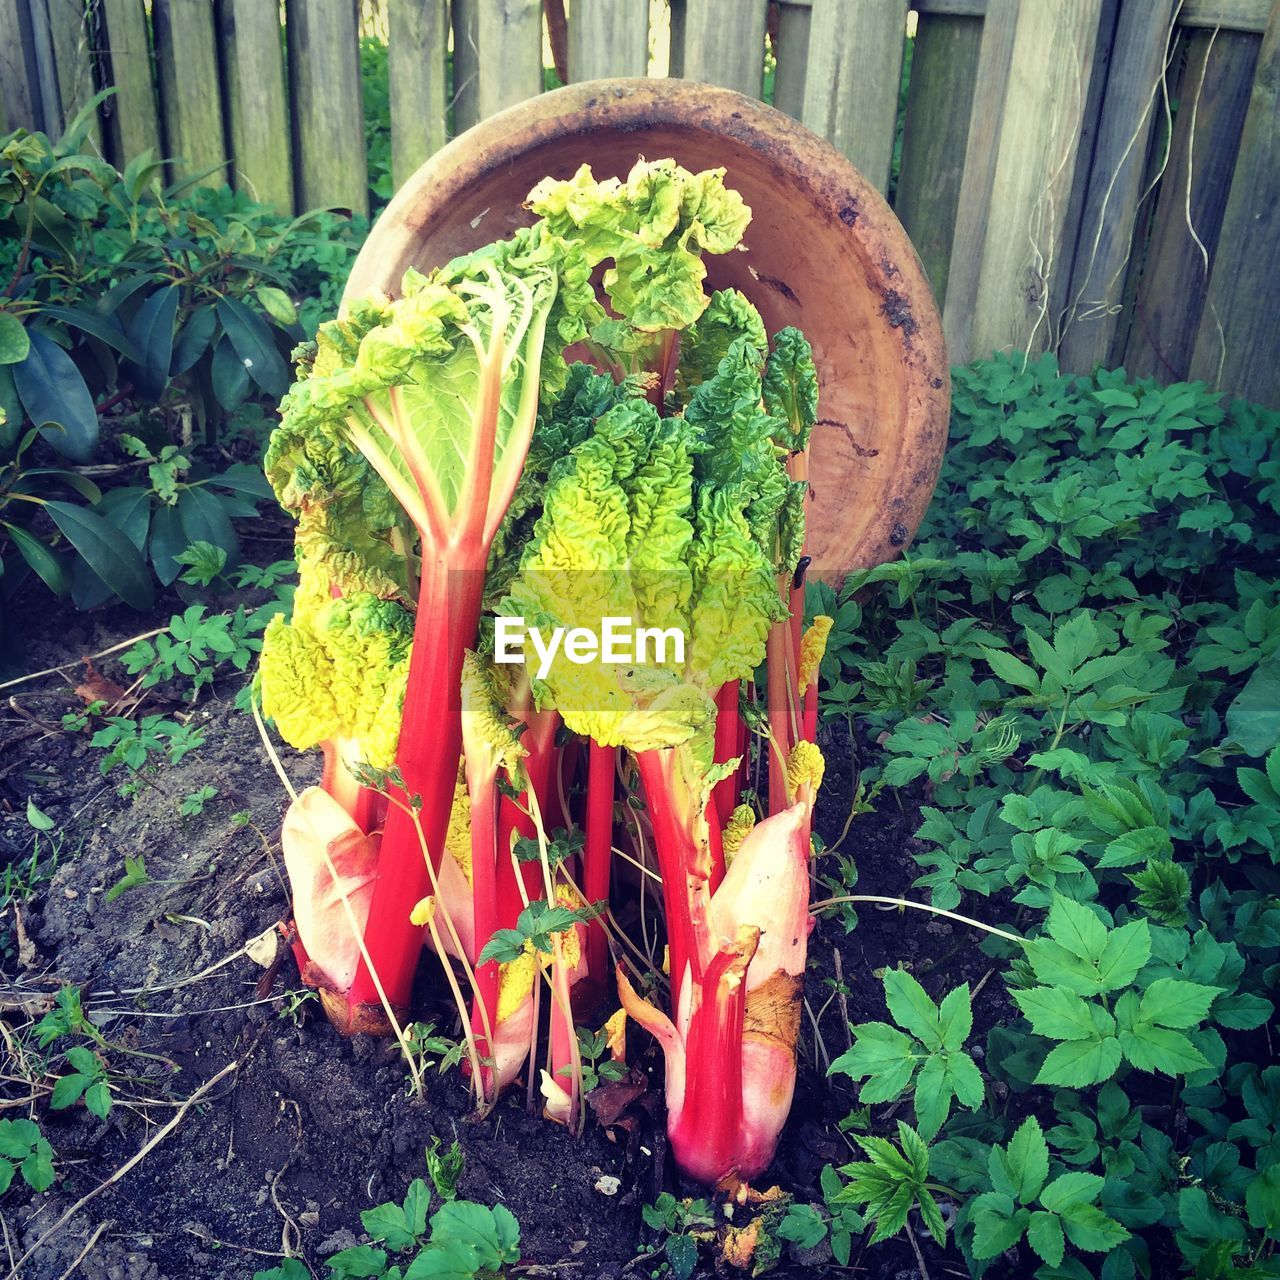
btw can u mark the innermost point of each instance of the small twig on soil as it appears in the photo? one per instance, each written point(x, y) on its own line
point(75, 662)
point(133, 1160)
point(290, 1231)
point(8, 1244)
point(819, 1044)
point(91, 801)
point(207, 1237)
point(639, 1258)
point(915, 1248)
point(185, 1013)
point(182, 982)
point(88, 1248)
point(843, 999)
point(973, 995)
point(30, 717)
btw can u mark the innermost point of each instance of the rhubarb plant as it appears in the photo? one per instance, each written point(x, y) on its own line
point(451, 473)
point(401, 448)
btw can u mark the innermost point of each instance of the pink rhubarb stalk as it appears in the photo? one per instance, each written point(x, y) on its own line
point(455, 538)
point(730, 1048)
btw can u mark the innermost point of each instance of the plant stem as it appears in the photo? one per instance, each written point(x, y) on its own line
point(815, 907)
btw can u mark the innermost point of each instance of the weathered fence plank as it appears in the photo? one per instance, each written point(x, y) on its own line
point(1246, 269)
point(133, 123)
point(1133, 92)
point(19, 89)
point(675, 40)
point(608, 38)
point(72, 57)
point(1213, 94)
point(329, 165)
point(852, 79)
point(419, 40)
point(1230, 15)
point(45, 80)
point(465, 102)
point(257, 101)
point(1090, 120)
point(792, 53)
point(510, 40)
point(723, 43)
point(944, 71)
point(187, 62)
point(977, 181)
point(1034, 151)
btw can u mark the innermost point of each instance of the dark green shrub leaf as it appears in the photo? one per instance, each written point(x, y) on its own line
point(255, 346)
point(106, 551)
point(56, 399)
point(14, 343)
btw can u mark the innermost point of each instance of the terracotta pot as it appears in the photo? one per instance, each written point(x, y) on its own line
point(823, 252)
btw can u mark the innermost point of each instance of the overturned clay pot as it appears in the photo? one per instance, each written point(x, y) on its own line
point(824, 252)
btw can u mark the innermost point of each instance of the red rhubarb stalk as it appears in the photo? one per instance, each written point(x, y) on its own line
point(728, 747)
point(597, 853)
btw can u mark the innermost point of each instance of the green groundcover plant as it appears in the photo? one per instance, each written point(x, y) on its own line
point(1075, 671)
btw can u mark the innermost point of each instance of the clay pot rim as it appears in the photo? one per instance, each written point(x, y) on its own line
point(893, 269)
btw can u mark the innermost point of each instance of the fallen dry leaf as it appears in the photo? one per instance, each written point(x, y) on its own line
point(96, 687)
point(26, 948)
point(263, 949)
point(611, 1098)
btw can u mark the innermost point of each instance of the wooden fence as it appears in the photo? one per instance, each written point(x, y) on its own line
point(1096, 177)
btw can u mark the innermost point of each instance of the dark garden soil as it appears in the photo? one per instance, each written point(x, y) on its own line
point(306, 1130)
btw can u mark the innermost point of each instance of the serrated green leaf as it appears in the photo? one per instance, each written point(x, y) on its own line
point(965, 1080)
point(884, 1055)
point(932, 1217)
point(358, 1263)
point(1020, 1169)
point(1070, 1189)
point(37, 1168)
point(955, 1017)
point(97, 1099)
point(1081, 1062)
point(1074, 927)
point(932, 1097)
point(997, 1224)
point(1044, 1235)
point(1090, 1229)
point(1012, 670)
point(67, 1090)
point(911, 1007)
point(915, 1150)
point(83, 1060)
point(1152, 1048)
point(1131, 847)
point(1058, 1014)
point(386, 1224)
point(1127, 950)
point(1174, 1002)
point(1262, 1201)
